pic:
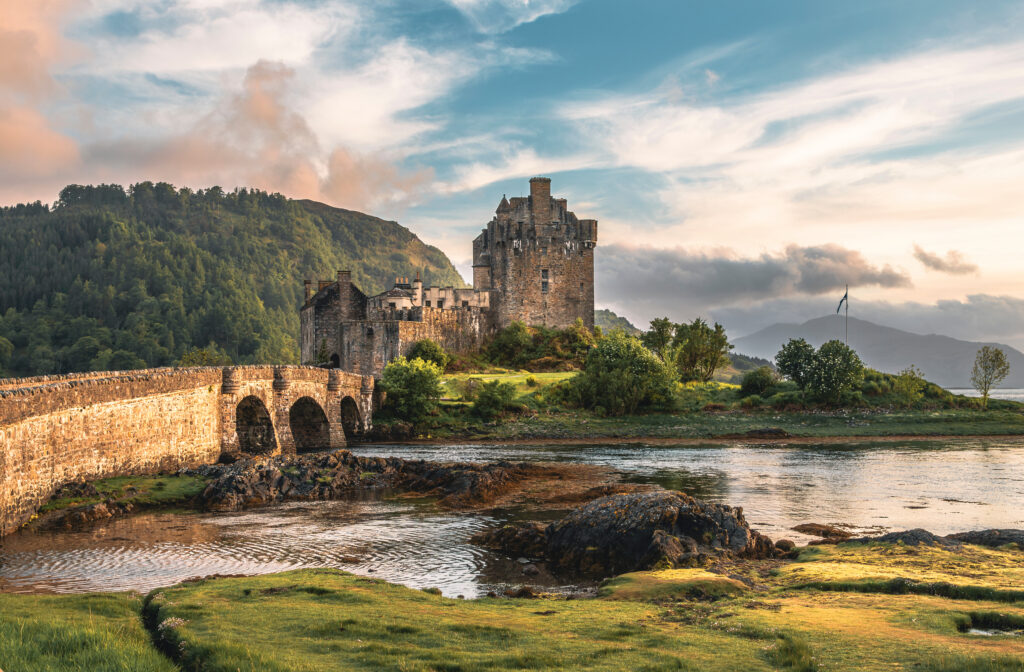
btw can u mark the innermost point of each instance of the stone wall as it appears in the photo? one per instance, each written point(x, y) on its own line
point(57, 429)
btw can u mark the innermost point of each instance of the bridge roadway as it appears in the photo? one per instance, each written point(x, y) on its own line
point(59, 429)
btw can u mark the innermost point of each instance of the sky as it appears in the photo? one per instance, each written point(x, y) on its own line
point(746, 160)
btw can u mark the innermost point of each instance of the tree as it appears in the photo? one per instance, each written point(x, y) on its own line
point(794, 361)
point(493, 399)
point(621, 376)
point(990, 368)
point(757, 381)
point(430, 351)
point(413, 387)
point(835, 370)
point(659, 337)
point(700, 350)
point(909, 386)
point(6, 351)
point(211, 355)
point(511, 346)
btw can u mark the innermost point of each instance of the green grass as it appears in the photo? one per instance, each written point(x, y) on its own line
point(454, 383)
point(141, 491)
point(76, 633)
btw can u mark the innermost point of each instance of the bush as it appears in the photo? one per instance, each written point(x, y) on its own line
point(752, 401)
point(786, 400)
point(909, 386)
point(413, 387)
point(758, 381)
point(622, 376)
point(531, 381)
point(430, 351)
point(493, 399)
point(511, 346)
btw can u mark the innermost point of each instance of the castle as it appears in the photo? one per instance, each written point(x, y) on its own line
point(533, 263)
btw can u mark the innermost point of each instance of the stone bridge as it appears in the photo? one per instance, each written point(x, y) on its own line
point(57, 429)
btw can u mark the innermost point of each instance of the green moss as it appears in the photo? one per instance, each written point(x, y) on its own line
point(141, 491)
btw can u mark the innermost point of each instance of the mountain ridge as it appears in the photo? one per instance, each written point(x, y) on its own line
point(943, 359)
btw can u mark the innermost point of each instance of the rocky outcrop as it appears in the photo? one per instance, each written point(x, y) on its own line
point(828, 533)
point(260, 481)
point(990, 538)
point(912, 537)
point(627, 533)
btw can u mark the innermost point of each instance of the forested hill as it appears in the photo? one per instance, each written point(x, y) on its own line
point(110, 278)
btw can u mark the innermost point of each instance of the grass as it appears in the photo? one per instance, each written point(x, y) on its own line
point(454, 384)
point(141, 491)
point(76, 633)
point(692, 619)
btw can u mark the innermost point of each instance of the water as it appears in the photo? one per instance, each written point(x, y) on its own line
point(1008, 393)
point(944, 486)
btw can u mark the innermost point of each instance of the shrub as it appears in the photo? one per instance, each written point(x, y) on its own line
point(757, 381)
point(413, 387)
point(622, 376)
point(493, 399)
point(511, 346)
point(752, 401)
point(430, 351)
point(871, 388)
point(909, 386)
point(786, 400)
point(531, 381)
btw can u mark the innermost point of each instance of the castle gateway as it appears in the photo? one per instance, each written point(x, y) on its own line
point(533, 263)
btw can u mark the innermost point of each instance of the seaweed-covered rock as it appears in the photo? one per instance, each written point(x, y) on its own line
point(822, 530)
point(991, 538)
point(521, 539)
point(913, 537)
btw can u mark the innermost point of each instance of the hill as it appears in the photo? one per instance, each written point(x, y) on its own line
point(943, 360)
point(608, 320)
point(110, 278)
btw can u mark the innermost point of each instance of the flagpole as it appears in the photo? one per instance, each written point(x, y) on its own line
point(847, 316)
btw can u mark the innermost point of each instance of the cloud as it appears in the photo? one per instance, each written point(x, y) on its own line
point(679, 283)
point(953, 263)
point(255, 138)
point(29, 145)
point(498, 16)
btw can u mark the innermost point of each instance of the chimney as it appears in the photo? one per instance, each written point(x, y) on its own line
point(344, 277)
point(322, 284)
point(540, 200)
point(307, 286)
point(417, 290)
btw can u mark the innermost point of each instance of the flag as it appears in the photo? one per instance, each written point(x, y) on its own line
point(846, 298)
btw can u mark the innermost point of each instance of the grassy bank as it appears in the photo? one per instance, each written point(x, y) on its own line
point(789, 615)
point(142, 492)
point(703, 411)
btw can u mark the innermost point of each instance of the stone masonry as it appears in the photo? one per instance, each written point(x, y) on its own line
point(533, 263)
point(58, 429)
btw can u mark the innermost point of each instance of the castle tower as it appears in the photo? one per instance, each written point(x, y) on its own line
point(537, 257)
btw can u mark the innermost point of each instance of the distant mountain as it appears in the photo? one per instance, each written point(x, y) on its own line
point(109, 278)
point(944, 360)
point(608, 320)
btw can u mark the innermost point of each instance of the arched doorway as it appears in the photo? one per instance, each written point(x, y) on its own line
point(254, 427)
point(335, 361)
point(309, 425)
point(350, 417)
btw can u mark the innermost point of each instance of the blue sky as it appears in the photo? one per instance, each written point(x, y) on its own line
point(746, 160)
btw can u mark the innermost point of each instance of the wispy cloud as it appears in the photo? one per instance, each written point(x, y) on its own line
point(498, 16)
point(953, 263)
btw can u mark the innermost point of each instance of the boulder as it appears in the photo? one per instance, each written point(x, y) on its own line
point(822, 530)
point(628, 533)
point(990, 538)
point(913, 537)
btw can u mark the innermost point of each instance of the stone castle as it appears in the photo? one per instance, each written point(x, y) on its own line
point(533, 263)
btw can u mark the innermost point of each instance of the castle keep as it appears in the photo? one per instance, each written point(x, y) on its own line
point(533, 263)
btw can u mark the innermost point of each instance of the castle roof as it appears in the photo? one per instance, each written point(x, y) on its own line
point(503, 206)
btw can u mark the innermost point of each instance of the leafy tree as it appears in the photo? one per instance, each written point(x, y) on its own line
point(794, 361)
point(659, 337)
point(700, 350)
point(493, 399)
point(990, 368)
point(621, 376)
point(413, 388)
point(758, 381)
point(909, 386)
point(211, 355)
point(6, 350)
point(835, 370)
point(430, 351)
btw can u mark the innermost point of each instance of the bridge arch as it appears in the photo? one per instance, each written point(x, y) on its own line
point(350, 418)
point(309, 425)
point(254, 427)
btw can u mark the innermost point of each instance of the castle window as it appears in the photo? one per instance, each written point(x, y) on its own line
point(581, 288)
point(543, 274)
point(544, 251)
point(428, 304)
point(544, 286)
point(465, 304)
point(440, 303)
point(391, 305)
